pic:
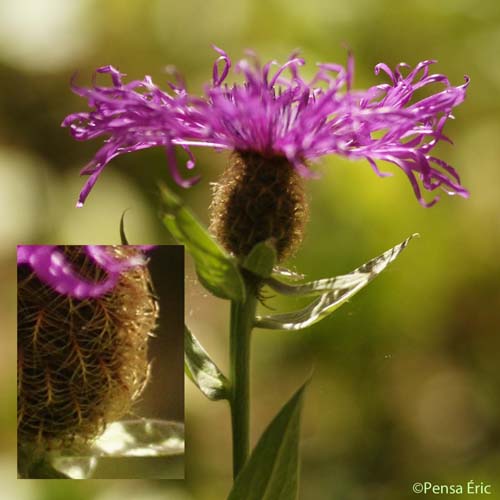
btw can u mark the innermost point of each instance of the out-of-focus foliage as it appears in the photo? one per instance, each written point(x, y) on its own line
point(406, 382)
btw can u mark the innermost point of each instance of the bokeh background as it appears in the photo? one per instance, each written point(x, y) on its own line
point(406, 384)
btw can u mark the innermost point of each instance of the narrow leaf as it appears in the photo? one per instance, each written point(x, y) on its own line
point(271, 472)
point(261, 259)
point(123, 236)
point(333, 293)
point(202, 370)
point(218, 272)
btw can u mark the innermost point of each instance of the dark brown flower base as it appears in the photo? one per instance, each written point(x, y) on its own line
point(258, 199)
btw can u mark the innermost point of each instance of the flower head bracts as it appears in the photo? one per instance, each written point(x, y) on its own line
point(276, 112)
point(53, 269)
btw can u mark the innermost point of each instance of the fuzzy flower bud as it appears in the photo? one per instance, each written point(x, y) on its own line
point(259, 199)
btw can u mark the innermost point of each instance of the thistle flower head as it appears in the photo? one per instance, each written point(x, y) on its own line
point(276, 112)
point(82, 348)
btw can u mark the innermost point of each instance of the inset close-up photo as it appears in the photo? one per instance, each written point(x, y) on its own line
point(100, 377)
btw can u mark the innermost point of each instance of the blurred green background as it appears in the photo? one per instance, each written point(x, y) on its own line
point(406, 383)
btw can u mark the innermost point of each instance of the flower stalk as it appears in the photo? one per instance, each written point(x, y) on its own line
point(33, 463)
point(242, 322)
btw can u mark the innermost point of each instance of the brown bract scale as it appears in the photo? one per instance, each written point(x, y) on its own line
point(257, 199)
point(81, 363)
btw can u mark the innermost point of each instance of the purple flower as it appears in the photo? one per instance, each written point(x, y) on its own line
point(53, 268)
point(276, 112)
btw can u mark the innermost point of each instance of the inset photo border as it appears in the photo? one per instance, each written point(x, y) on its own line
point(100, 350)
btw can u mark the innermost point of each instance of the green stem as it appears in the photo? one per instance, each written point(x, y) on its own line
point(242, 320)
point(33, 464)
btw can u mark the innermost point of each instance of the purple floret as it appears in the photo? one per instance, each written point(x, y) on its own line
point(52, 268)
point(276, 112)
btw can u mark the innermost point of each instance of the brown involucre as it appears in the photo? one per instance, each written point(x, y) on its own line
point(81, 363)
point(259, 199)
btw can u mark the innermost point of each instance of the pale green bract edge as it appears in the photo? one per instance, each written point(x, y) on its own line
point(218, 272)
point(202, 371)
point(271, 472)
point(333, 292)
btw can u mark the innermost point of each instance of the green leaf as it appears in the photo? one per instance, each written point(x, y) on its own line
point(333, 293)
point(218, 272)
point(202, 370)
point(261, 259)
point(271, 472)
